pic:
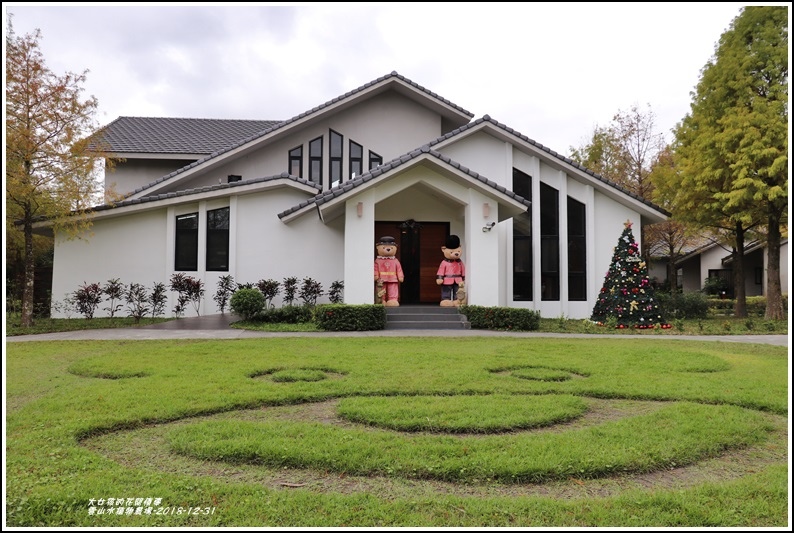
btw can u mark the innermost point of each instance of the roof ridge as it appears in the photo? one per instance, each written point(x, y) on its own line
point(311, 111)
point(568, 160)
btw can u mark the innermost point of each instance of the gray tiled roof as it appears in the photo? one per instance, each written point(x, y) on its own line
point(552, 153)
point(208, 188)
point(232, 145)
point(177, 135)
point(347, 186)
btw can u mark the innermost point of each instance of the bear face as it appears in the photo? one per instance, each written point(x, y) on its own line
point(452, 253)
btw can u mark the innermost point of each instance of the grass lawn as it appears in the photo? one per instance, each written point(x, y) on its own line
point(387, 432)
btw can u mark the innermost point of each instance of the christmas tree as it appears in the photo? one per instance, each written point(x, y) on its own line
point(627, 294)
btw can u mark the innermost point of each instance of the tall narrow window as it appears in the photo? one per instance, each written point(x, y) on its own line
point(218, 239)
point(316, 161)
point(577, 251)
point(522, 240)
point(374, 160)
point(335, 157)
point(549, 243)
point(356, 159)
point(186, 242)
point(296, 162)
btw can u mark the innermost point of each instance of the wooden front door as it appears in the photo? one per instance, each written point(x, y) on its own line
point(419, 251)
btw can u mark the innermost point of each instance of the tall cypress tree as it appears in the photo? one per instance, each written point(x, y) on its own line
point(627, 294)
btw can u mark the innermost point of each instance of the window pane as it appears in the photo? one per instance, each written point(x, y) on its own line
point(218, 239)
point(186, 242)
point(522, 240)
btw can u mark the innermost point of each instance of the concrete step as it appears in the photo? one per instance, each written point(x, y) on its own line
point(425, 317)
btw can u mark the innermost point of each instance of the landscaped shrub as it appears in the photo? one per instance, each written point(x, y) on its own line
point(502, 318)
point(137, 301)
point(225, 290)
point(290, 288)
point(114, 290)
point(87, 298)
point(247, 303)
point(341, 317)
point(157, 299)
point(756, 306)
point(270, 289)
point(189, 290)
point(289, 314)
point(683, 304)
point(310, 291)
point(335, 294)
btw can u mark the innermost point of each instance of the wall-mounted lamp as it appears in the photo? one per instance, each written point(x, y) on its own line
point(488, 227)
point(360, 209)
point(486, 210)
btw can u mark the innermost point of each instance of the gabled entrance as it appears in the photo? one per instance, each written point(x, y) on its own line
point(419, 251)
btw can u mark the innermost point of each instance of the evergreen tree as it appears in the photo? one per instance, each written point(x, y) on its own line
point(627, 294)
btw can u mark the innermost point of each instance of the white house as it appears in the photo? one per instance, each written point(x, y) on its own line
point(714, 260)
point(310, 196)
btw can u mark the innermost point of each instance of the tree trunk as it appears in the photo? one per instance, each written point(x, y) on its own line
point(774, 296)
point(739, 290)
point(672, 275)
point(27, 287)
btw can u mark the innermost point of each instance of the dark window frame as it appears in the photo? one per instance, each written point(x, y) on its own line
point(355, 160)
point(233, 178)
point(549, 243)
point(522, 265)
point(295, 155)
point(217, 252)
point(334, 159)
point(577, 251)
point(316, 160)
point(186, 243)
point(375, 160)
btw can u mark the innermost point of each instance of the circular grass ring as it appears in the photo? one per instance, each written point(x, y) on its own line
point(541, 374)
point(292, 375)
point(462, 414)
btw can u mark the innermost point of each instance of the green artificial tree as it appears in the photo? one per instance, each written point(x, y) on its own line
point(627, 294)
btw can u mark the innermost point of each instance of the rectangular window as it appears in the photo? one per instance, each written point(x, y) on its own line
point(316, 161)
point(522, 240)
point(296, 162)
point(356, 159)
point(374, 160)
point(577, 252)
point(549, 243)
point(218, 239)
point(186, 245)
point(233, 178)
point(335, 157)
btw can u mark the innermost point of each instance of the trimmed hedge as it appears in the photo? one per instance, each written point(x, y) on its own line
point(683, 305)
point(501, 318)
point(342, 317)
point(289, 314)
point(247, 303)
point(756, 305)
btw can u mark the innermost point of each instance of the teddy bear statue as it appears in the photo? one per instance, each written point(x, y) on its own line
point(451, 272)
point(388, 272)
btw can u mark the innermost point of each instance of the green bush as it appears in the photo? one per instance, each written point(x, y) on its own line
point(683, 305)
point(247, 303)
point(289, 314)
point(503, 318)
point(343, 317)
point(756, 305)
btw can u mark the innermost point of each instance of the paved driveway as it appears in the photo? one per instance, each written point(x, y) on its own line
point(217, 327)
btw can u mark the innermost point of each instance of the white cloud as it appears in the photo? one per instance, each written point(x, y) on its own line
point(550, 71)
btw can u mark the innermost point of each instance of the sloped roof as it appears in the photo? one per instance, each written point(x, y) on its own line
point(153, 135)
point(279, 125)
point(350, 185)
point(549, 151)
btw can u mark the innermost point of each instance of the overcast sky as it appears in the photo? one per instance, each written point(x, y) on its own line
point(550, 71)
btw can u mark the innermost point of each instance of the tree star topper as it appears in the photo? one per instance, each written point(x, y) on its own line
point(627, 224)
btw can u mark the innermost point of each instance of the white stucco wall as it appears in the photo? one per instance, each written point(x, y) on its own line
point(388, 124)
point(270, 249)
point(132, 249)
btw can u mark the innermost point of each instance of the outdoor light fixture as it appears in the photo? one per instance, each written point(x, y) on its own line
point(360, 209)
point(486, 210)
point(488, 227)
